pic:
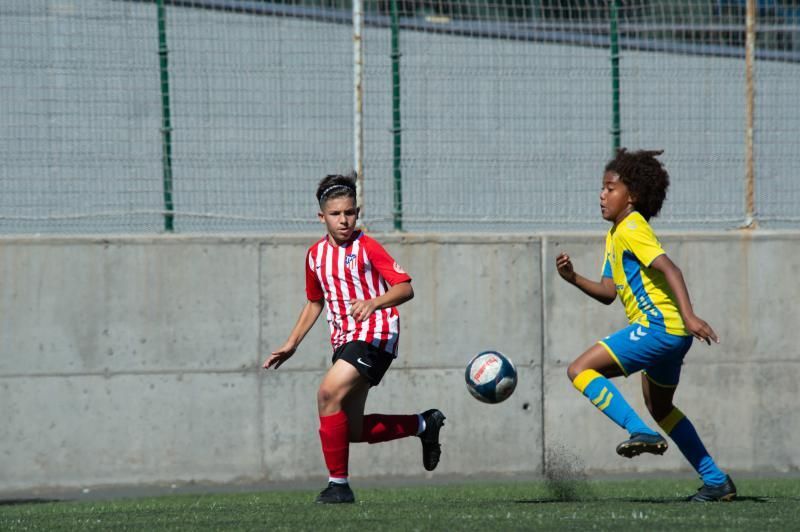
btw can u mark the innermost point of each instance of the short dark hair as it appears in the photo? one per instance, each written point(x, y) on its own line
point(645, 176)
point(336, 186)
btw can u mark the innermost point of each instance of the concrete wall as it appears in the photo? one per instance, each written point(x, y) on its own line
point(136, 360)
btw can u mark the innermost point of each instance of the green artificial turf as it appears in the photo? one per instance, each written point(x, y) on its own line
point(653, 504)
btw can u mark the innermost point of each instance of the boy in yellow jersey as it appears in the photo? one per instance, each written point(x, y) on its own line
point(662, 322)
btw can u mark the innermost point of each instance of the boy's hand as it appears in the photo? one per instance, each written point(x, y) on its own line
point(564, 267)
point(362, 310)
point(701, 330)
point(280, 356)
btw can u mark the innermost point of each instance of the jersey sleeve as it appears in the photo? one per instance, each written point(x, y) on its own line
point(607, 271)
point(607, 268)
point(314, 290)
point(385, 264)
point(642, 242)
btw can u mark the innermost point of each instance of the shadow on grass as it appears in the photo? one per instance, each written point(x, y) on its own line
point(672, 501)
point(554, 501)
point(12, 502)
point(653, 500)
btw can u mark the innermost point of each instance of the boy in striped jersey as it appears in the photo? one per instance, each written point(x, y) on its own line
point(358, 283)
point(662, 321)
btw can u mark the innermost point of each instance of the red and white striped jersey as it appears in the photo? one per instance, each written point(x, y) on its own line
point(358, 270)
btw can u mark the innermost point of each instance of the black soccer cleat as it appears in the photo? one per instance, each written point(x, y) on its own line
point(431, 450)
point(706, 493)
point(336, 494)
point(640, 442)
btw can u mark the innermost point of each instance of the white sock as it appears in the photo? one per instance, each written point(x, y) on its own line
point(337, 480)
point(422, 424)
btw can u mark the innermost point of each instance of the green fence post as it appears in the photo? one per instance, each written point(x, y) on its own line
point(396, 130)
point(616, 130)
point(166, 122)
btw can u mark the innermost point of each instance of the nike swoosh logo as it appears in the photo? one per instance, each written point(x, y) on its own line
point(363, 363)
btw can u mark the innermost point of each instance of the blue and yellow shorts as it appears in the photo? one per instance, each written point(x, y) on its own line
point(656, 352)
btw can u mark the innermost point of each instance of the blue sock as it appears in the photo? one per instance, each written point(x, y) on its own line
point(609, 401)
point(683, 433)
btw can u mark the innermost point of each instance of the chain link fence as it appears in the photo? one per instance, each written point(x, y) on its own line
point(219, 116)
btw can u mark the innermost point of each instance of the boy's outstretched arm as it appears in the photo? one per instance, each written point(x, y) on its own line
point(396, 295)
point(698, 327)
point(604, 291)
point(308, 316)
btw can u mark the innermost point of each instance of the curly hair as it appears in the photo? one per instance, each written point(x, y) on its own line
point(645, 176)
point(336, 186)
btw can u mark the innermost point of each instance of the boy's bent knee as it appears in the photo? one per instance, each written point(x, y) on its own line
point(659, 411)
point(326, 398)
point(573, 370)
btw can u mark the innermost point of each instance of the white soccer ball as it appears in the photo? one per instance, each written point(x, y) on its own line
point(491, 377)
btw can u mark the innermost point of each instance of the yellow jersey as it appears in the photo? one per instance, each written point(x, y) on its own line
point(631, 247)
